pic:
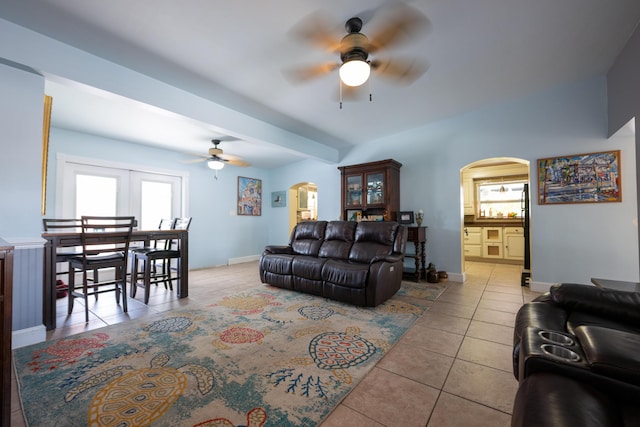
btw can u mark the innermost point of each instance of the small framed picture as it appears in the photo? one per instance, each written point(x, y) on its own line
point(405, 217)
point(354, 215)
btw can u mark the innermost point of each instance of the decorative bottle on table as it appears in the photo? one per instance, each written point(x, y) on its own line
point(419, 216)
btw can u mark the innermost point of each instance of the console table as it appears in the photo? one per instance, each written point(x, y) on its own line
point(61, 240)
point(417, 235)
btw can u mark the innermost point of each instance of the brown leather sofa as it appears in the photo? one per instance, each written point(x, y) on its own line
point(576, 355)
point(356, 262)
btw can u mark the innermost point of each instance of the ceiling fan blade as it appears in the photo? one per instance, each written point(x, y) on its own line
point(240, 163)
point(317, 30)
point(233, 160)
point(204, 159)
point(402, 23)
point(303, 74)
point(402, 71)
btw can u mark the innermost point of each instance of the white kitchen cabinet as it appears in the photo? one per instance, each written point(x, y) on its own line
point(472, 241)
point(468, 196)
point(492, 242)
point(513, 242)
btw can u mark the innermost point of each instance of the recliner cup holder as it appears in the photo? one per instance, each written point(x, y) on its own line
point(556, 337)
point(559, 352)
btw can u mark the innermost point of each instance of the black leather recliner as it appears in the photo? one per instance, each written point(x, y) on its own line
point(356, 262)
point(576, 354)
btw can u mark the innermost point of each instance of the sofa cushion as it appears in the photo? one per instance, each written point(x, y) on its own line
point(613, 353)
point(347, 274)
point(372, 240)
point(338, 239)
point(308, 267)
point(307, 237)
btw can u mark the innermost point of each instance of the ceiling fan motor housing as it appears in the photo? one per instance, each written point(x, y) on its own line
point(354, 46)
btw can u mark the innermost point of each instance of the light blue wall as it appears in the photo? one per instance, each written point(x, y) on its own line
point(217, 234)
point(570, 243)
point(21, 112)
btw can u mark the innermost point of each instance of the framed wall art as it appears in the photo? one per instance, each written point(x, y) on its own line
point(249, 196)
point(278, 199)
point(580, 178)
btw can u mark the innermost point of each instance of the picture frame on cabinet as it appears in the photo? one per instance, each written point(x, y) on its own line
point(580, 178)
point(354, 215)
point(405, 217)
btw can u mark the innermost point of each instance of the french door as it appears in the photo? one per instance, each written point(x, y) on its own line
point(96, 188)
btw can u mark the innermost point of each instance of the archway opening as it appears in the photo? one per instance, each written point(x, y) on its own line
point(304, 203)
point(495, 224)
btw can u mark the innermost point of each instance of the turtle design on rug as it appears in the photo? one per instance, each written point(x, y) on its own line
point(255, 418)
point(239, 334)
point(331, 351)
point(67, 350)
point(247, 304)
point(139, 396)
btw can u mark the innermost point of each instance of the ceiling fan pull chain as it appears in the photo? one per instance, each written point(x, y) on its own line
point(340, 83)
point(370, 97)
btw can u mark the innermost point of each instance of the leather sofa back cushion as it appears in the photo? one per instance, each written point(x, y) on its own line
point(377, 232)
point(307, 237)
point(373, 239)
point(339, 237)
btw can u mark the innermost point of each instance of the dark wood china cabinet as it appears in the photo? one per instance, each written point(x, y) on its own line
point(371, 190)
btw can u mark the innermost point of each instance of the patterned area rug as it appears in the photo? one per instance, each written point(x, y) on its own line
point(265, 357)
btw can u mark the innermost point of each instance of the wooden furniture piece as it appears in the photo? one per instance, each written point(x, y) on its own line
point(371, 189)
point(6, 284)
point(148, 258)
point(155, 276)
point(417, 235)
point(63, 240)
point(105, 244)
point(618, 285)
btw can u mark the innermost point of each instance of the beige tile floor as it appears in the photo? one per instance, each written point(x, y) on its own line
point(452, 368)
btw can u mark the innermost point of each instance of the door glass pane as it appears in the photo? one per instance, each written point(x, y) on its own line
point(96, 195)
point(375, 188)
point(354, 190)
point(155, 204)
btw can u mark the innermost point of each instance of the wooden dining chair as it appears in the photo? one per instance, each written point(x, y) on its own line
point(105, 245)
point(146, 259)
point(62, 225)
point(159, 264)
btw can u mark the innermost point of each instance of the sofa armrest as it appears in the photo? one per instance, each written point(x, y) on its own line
point(386, 258)
point(613, 304)
point(273, 249)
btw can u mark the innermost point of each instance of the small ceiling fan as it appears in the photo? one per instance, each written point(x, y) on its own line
point(217, 159)
point(401, 23)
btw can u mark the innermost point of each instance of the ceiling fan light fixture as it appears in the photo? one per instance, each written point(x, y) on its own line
point(355, 72)
point(215, 164)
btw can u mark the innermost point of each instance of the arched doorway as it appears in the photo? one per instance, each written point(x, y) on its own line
point(304, 203)
point(495, 226)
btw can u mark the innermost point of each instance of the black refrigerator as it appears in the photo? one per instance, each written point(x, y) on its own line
point(524, 205)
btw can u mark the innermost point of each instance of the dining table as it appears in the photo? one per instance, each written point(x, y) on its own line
point(54, 241)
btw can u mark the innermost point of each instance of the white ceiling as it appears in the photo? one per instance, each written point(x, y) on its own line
point(479, 52)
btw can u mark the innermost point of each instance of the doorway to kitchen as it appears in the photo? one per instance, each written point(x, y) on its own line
point(496, 229)
point(303, 204)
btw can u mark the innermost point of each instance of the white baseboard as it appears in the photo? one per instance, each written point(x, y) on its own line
point(243, 259)
point(457, 277)
point(28, 336)
point(540, 287)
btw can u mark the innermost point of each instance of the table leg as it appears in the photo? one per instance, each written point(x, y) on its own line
point(183, 266)
point(423, 258)
point(417, 259)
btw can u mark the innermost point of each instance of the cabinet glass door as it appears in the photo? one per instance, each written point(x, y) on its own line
point(375, 188)
point(354, 190)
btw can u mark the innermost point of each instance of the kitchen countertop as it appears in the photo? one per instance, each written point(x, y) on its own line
point(497, 222)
